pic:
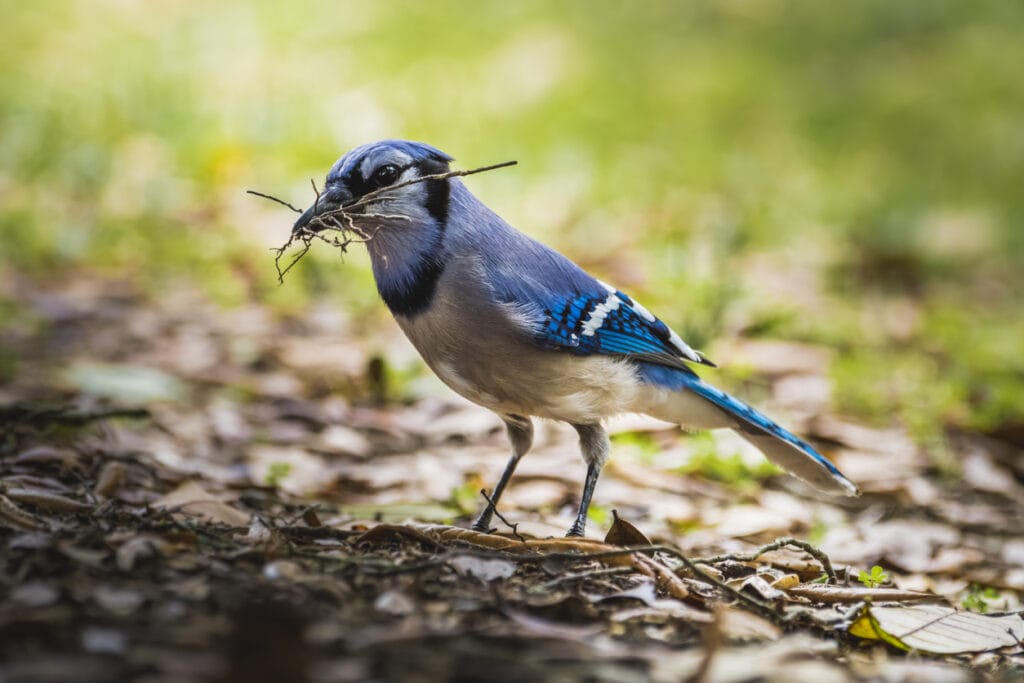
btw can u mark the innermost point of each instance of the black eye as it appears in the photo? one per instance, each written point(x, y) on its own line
point(386, 174)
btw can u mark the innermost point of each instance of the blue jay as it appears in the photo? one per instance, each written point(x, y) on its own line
point(518, 328)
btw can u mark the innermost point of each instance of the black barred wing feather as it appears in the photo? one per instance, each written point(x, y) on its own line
point(608, 321)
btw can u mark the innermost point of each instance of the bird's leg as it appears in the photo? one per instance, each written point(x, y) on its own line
point(580, 525)
point(595, 446)
point(520, 433)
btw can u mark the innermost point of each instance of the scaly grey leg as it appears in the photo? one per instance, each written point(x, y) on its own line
point(595, 446)
point(520, 433)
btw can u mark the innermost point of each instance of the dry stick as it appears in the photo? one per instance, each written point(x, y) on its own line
point(510, 525)
point(762, 609)
point(778, 543)
point(603, 571)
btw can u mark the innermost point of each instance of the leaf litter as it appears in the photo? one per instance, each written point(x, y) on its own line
point(213, 534)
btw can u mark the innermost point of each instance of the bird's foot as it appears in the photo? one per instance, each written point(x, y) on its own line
point(483, 522)
point(576, 530)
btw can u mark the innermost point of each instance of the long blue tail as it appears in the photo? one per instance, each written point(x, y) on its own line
point(779, 445)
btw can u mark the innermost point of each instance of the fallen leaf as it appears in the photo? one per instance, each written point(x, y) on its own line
point(646, 592)
point(47, 500)
point(786, 582)
point(134, 549)
point(551, 629)
point(105, 641)
point(624, 534)
point(482, 568)
point(938, 630)
point(35, 594)
point(341, 439)
point(119, 601)
point(16, 517)
point(191, 499)
point(759, 587)
point(739, 624)
point(49, 454)
point(109, 479)
point(394, 602)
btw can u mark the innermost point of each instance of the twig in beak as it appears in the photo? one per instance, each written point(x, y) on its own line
point(329, 220)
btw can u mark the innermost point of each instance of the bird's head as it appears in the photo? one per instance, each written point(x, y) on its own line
point(360, 179)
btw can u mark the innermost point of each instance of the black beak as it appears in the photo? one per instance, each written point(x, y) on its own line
point(330, 200)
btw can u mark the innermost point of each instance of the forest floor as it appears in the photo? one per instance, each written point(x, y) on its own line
point(192, 493)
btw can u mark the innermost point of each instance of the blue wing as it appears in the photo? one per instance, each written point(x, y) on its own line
point(582, 315)
point(605, 320)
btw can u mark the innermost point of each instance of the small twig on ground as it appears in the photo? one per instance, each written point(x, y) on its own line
point(329, 220)
point(302, 514)
point(510, 525)
point(778, 543)
point(577, 576)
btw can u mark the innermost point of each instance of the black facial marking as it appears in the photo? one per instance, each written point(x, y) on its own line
point(413, 296)
point(357, 184)
point(438, 191)
point(416, 296)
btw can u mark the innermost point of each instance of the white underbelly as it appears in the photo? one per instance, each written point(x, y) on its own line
point(547, 384)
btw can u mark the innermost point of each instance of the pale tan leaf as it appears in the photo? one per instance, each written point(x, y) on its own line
point(193, 500)
point(937, 629)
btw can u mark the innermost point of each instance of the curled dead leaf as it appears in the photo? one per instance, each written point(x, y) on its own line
point(109, 479)
point(622, 533)
point(18, 518)
point(45, 455)
point(47, 500)
point(193, 500)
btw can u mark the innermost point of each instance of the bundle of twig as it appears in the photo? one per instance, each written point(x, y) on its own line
point(339, 227)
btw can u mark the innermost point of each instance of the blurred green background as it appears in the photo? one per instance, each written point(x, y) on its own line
point(846, 174)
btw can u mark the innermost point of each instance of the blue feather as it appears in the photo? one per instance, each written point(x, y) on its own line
point(749, 419)
point(583, 316)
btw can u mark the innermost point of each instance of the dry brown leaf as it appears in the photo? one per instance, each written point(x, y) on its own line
point(191, 499)
point(47, 500)
point(622, 533)
point(18, 518)
point(49, 454)
point(109, 479)
point(137, 548)
point(759, 587)
point(739, 624)
point(666, 579)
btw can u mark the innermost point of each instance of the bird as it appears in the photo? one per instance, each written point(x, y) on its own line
point(516, 327)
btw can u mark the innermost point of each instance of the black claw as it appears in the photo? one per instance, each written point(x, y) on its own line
point(483, 524)
point(575, 531)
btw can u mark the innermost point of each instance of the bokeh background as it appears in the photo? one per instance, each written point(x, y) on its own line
point(847, 175)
